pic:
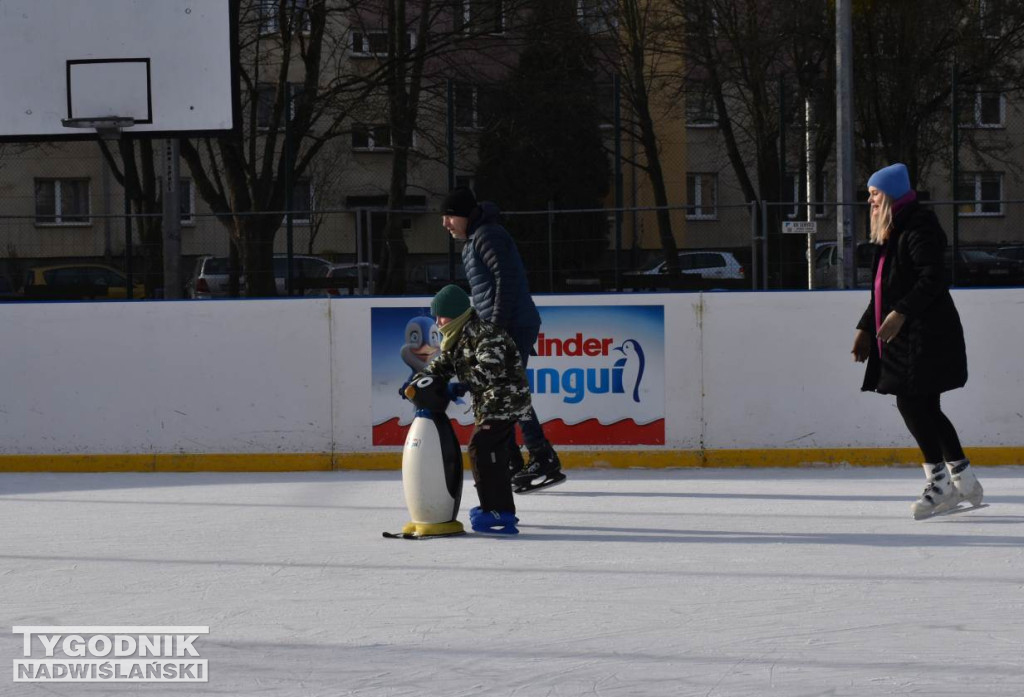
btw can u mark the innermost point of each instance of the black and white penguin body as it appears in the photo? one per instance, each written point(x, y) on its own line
point(431, 462)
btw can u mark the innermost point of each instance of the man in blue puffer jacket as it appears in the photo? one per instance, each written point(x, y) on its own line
point(501, 295)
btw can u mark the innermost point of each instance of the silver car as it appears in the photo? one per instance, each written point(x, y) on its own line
point(706, 264)
point(209, 278)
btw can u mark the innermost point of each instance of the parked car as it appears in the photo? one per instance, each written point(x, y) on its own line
point(978, 267)
point(79, 282)
point(826, 264)
point(209, 278)
point(707, 264)
point(426, 278)
point(210, 275)
point(1015, 252)
point(342, 279)
point(303, 266)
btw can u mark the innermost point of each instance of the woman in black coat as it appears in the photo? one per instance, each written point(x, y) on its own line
point(911, 336)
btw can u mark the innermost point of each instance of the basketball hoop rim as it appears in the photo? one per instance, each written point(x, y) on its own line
point(105, 126)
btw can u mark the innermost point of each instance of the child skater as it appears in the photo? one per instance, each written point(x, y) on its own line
point(484, 360)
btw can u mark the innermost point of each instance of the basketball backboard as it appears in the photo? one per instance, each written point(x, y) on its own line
point(153, 67)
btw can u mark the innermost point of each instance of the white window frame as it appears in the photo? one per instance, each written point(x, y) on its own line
point(713, 123)
point(474, 107)
point(976, 121)
point(58, 203)
point(372, 146)
point(268, 16)
point(983, 11)
point(597, 16)
point(468, 26)
point(697, 209)
point(270, 88)
point(410, 38)
point(297, 217)
point(188, 188)
point(606, 90)
point(979, 202)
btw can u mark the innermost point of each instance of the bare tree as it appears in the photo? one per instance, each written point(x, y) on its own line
point(637, 45)
point(134, 168)
point(741, 52)
point(907, 53)
point(297, 94)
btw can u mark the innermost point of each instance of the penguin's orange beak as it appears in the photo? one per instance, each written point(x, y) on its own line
point(410, 391)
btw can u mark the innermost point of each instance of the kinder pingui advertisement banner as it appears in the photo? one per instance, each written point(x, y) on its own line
point(597, 376)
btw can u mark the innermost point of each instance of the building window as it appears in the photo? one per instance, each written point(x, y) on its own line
point(270, 15)
point(991, 16)
point(702, 196)
point(701, 111)
point(302, 202)
point(478, 16)
point(371, 137)
point(62, 201)
point(266, 96)
point(375, 43)
point(605, 99)
point(981, 193)
point(474, 106)
point(187, 202)
point(597, 16)
point(985, 109)
point(465, 106)
point(794, 190)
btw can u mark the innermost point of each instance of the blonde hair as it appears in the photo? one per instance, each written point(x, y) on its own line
point(881, 222)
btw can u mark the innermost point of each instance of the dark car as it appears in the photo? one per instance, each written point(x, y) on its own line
point(978, 267)
point(343, 279)
point(79, 282)
point(426, 278)
point(1015, 252)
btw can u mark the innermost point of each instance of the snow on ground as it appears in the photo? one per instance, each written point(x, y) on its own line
point(669, 582)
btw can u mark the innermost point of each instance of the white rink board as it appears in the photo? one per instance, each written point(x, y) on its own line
point(174, 377)
point(743, 370)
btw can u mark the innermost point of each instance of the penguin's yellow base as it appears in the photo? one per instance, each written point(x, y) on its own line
point(452, 527)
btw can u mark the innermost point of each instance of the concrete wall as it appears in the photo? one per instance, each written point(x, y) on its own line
point(753, 378)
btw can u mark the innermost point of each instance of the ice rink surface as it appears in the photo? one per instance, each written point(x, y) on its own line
point(640, 582)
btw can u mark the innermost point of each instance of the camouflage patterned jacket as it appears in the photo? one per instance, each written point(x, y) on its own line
point(486, 360)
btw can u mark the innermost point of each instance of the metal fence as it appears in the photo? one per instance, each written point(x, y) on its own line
point(752, 247)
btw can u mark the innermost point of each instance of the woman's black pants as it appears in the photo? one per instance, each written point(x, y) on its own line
point(934, 433)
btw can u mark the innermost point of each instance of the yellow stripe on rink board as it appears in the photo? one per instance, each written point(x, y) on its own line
point(571, 459)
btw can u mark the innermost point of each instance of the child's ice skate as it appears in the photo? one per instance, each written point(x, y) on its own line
point(493, 522)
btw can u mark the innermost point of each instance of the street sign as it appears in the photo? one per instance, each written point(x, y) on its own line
point(800, 227)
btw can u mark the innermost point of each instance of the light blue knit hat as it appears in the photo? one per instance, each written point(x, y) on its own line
point(894, 181)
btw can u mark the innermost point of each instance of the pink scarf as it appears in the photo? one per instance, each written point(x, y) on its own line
point(878, 298)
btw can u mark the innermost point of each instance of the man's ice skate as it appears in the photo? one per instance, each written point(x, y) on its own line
point(939, 494)
point(516, 464)
point(965, 483)
point(541, 472)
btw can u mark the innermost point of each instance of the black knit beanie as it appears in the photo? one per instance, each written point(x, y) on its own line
point(460, 201)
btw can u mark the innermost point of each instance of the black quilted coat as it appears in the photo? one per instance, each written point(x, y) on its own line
point(928, 354)
point(497, 279)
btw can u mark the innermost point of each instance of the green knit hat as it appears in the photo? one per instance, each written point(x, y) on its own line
point(451, 301)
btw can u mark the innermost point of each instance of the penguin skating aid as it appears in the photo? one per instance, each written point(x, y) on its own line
point(431, 465)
